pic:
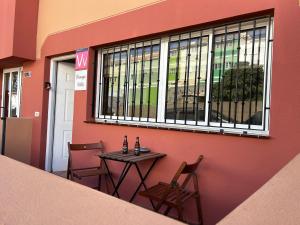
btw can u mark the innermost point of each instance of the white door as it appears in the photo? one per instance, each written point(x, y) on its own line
point(64, 108)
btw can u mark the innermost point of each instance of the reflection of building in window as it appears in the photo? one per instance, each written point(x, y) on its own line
point(208, 79)
point(11, 92)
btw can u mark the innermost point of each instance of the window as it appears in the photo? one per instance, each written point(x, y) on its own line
point(11, 92)
point(130, 82)
point(216, 79)
point(186, 80)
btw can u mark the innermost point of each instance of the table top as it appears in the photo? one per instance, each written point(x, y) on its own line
point(130, 156)
point(30, 196)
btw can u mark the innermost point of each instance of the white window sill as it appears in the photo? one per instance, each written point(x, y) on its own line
point(187, 128)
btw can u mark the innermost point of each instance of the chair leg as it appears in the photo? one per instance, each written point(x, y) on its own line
point(68, 173)
point(199, 210)
point(167, 211)
point(180, 216)
point(106, 184)
point(99, 183)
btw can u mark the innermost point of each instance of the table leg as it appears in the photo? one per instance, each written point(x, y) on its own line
point(143, 178)
point(123, 175)
point(110, 177)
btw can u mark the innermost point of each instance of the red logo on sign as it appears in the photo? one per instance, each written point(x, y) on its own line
point(81, 60)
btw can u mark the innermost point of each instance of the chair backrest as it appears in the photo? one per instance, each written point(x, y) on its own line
point(189, 170)
point(83, 147)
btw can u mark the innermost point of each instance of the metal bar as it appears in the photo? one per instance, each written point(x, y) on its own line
point(219, 86)
point(195, 77)
point(158, 79)
point(94, 85)
point(112, 84)
point(149, 87)
point(143, 178)
point(126, 83)
point(124, 170)
point(267, 72)
point(231, 74)
point(223, 76)
point(121, 178)
point(119, 80)
point(251, 76)
point(176, 80)
point(206, 80)
point(110, 177)
point(142, 82)
point(103, 88)
point(212, 76)
point(257, 70)
point(237, 74)
point(134, 83)
point(198, 79)
point(187, 76)
point(244, 77)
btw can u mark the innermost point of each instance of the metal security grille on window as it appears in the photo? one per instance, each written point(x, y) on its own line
point(130, 79)
point(215, 79)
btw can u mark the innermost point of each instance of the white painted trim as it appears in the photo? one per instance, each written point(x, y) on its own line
point(208, 77)
point(163, 79)
point(51, 109)
point(199, 128)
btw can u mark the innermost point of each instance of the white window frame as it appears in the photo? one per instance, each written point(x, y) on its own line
point(205, 126)
point(19, 91)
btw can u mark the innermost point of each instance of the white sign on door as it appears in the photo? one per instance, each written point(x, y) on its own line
point(81, 80)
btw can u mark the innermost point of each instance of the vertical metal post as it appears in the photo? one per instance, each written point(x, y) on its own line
point(237, 74)
point(3, 118)
point(223, 78)
point(186, 79)
point(158, 80)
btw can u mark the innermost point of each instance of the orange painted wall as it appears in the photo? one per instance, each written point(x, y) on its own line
point(234, 167)
point(7, 10)
point(18, 26)
point(71, 14)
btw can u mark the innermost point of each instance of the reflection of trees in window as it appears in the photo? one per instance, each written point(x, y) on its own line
point(238, 77)
point(235, 90)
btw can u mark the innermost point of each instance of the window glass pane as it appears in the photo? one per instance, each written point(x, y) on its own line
point(14, 94)
point(107, 83)
point(237, 86)
point(6, 93)
point(135, 81)
point(187, 71)
point(114, 76)
point(151, 66)
point(143, 85)
point(133, 94)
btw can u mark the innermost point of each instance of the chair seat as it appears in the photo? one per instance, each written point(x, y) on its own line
point(88, 172)
point(158, 191)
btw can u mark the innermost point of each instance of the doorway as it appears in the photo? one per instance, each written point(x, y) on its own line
point(60, 114)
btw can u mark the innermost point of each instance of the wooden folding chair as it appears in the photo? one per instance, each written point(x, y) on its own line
point(174, 195)
point(80, 173)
